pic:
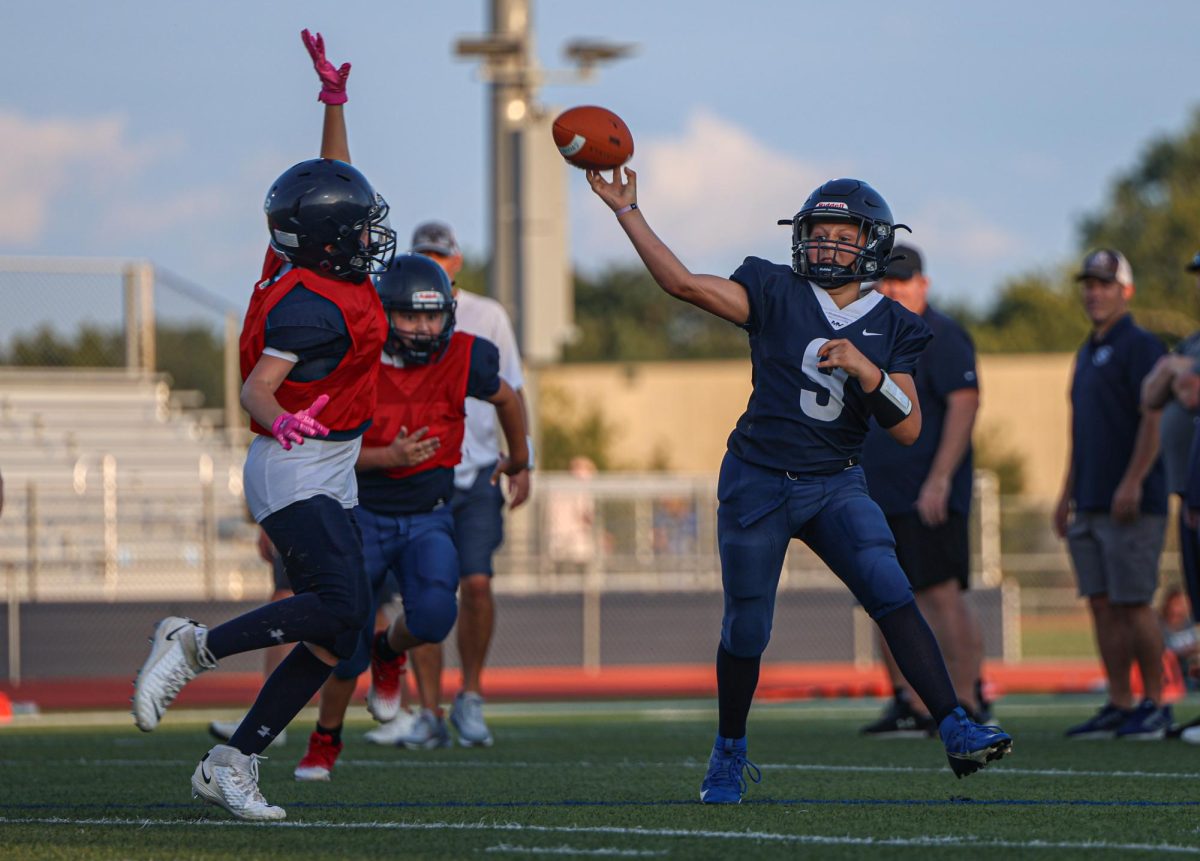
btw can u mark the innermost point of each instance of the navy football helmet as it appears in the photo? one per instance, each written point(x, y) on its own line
point(415, 282)
point(324, 215)
point(853, 201)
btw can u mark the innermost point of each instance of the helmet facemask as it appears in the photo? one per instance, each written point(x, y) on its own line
point(870, 250)
point(840, 202)
point(418, 349)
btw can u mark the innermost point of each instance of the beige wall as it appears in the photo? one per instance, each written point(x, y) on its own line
point(686, 410)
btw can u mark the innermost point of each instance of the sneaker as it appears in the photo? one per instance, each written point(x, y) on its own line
point(1191, 734)
point(1147, 722)
point(1178, 730)
point(467, 718)
point(317, 762)
point(177, 655)
point(223, 730)
point(228, 778)
point(900, 721)
point(725, 783)
point(1103, 724)
point(394, 731)
point(383, 697)
point(971, 746)
point(428, 732)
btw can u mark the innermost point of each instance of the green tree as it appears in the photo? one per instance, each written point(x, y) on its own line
point(1034, 313)
point(1152, 215)
point(622, 315)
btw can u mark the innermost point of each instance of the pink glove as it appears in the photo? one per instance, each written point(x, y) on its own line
point(291, 428)
point(333, 81)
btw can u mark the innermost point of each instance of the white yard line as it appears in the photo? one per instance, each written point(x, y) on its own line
point(683, 833)
point(689, 765)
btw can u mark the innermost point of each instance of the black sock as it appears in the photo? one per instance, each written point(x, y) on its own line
point(295, 681)
point(301, 617)
point(384, 649)
point(919, 658)
point(736, 680)
point(335, 734)
point(979, 694)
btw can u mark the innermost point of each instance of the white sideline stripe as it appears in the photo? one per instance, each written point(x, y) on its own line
point(608, 852)
point(1000, 771)
point(802, 839)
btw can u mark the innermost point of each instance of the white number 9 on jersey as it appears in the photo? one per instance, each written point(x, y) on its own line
point(832, 381)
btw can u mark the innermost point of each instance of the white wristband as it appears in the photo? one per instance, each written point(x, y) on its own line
point(624, 209)
point(529, 448)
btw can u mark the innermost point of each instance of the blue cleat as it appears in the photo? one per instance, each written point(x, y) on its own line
point(724, 783)
point(971, 746)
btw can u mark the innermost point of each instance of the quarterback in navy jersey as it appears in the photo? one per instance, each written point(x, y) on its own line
point(826, 355)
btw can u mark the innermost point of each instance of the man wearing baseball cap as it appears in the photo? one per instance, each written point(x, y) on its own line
point(1113, 505)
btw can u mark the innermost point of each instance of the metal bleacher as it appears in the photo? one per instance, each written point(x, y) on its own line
point(113, 490)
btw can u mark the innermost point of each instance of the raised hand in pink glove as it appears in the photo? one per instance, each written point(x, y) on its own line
point(333, 81)
point(291, 428)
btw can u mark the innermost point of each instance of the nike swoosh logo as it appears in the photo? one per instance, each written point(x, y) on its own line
point(870, 334)
point(203, 771)
point(171, 635)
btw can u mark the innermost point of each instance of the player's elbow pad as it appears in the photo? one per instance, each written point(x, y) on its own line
point(889, 404)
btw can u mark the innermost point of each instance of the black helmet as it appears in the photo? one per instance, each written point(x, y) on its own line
point(415, 282)
point(849, 200)
point(317, 212)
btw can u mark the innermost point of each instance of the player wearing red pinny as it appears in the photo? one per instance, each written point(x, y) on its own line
point(310, 348)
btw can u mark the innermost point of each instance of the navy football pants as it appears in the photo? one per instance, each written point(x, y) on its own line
point(761, 510)
point(419, 550)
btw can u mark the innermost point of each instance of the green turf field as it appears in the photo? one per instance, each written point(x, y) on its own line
point(611, 780)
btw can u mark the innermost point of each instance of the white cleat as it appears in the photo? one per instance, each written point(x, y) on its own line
point(177, 655)
point(428, 732)
point(394, 731)
point(223, 730)
point(228, 778)
point(467, 718)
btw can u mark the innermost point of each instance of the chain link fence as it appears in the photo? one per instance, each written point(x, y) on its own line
point(124, 502)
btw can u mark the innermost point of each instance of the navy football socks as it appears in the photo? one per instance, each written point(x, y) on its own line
point(737, 679)
point(920, 660)
point(301, 617)
point(295, 681)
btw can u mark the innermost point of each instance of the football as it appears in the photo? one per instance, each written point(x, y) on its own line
point(593, 138)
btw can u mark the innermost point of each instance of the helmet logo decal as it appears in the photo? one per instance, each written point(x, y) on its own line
point(291, 240)
point(832, 204)
point(428, 297)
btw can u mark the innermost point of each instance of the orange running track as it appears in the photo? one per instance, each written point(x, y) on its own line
point(778, 682)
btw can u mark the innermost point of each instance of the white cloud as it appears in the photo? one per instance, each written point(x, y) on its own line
point(40, 159)
point(713, 193)
point(956, 232)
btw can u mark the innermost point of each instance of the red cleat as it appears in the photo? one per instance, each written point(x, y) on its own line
point(319, 759)
point(383, 697)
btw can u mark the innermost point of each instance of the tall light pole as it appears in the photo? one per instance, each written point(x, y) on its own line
point(530, 266)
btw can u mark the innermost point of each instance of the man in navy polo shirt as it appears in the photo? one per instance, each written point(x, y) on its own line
point(1113, 506)
point(925, 493)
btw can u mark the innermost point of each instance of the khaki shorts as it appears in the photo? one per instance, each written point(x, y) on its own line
point(1116, 559)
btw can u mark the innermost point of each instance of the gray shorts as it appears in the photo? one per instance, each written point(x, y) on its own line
point(1116, 559)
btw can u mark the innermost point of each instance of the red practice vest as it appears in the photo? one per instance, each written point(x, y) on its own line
point(432, 396)
point(351, 386)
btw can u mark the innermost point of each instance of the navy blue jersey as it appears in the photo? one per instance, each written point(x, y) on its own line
point(800, 418)
point(313, 328)
point(1105, 404)
point(896, 472)
point(430, 489)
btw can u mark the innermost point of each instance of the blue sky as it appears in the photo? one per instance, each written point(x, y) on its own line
point(152, 129)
